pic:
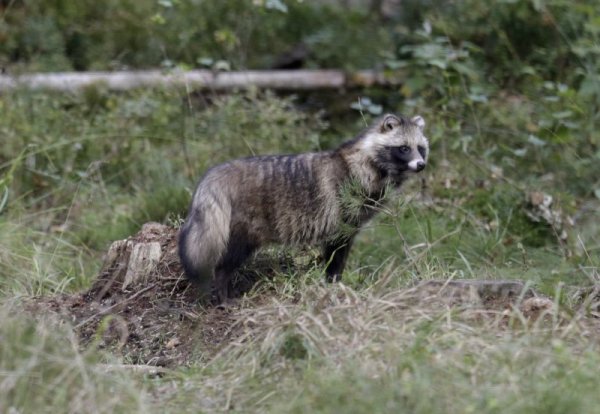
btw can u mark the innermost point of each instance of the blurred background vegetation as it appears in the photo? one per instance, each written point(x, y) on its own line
point(510, 90)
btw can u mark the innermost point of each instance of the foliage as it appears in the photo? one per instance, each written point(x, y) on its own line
point(510, 91)
point(84, 35)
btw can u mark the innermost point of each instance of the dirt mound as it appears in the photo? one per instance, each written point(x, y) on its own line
point(142, 306)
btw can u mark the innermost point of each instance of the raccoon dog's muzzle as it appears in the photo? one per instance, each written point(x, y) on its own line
point(407, 159)
point(416, 165)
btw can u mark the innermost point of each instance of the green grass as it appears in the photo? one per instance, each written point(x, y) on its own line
point(337, 349)
point(43, 370)
point(82, 171)
point(510, 93)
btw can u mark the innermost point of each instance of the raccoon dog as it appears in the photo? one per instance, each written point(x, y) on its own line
point(296, 199)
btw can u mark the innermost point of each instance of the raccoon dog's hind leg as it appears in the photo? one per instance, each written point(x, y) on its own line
point(239, 248)
point(204, 238)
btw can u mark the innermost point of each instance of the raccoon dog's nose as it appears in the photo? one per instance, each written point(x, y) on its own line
point(420, 166)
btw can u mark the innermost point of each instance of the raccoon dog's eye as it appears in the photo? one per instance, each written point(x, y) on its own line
point(401, 153)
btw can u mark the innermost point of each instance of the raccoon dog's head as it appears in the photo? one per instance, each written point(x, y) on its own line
point(398, 146)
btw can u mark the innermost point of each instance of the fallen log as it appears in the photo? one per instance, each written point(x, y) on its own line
point(200, 79)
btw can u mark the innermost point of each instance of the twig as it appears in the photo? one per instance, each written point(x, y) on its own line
point(144, 369)
point(110, 308)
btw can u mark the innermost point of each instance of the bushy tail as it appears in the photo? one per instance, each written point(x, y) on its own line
point(203, 239)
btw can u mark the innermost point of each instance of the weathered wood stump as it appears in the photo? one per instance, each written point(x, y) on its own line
point(133, 263)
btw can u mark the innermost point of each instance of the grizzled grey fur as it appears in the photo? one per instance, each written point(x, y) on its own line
point(296, 199)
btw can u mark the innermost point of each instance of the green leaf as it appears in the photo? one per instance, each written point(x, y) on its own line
point(464, 70)
point(562, 114)
point(590, 86)
point(438, 63)
point(205, 61)
point(375, 109)
point(535, 141)
point(276, 5)
point(480, 98)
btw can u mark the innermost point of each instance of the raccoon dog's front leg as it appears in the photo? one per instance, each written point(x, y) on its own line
point(335, 253)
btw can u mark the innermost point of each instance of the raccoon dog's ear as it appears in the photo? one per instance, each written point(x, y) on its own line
point(390, 122)
point(418, 121)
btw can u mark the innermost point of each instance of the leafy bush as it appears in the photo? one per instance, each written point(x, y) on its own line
point(84, 35)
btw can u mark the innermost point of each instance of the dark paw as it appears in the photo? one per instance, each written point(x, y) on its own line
point(334, 277)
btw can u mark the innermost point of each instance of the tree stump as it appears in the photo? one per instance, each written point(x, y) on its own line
point(131, 264)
